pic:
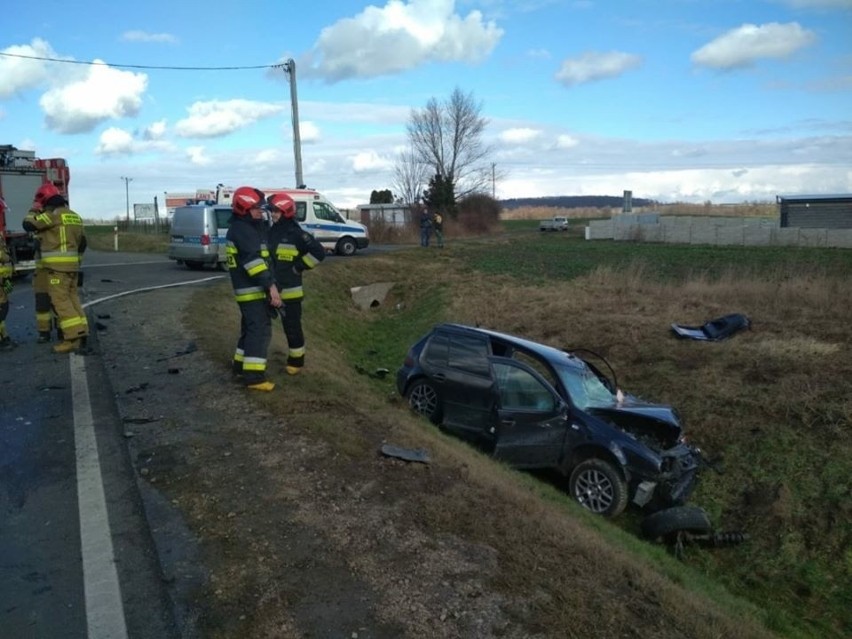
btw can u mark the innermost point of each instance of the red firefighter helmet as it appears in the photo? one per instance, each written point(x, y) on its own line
point(245, 199)
point(44, 193)
point(284, 204)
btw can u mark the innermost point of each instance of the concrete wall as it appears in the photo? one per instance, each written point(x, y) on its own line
point(651, 227)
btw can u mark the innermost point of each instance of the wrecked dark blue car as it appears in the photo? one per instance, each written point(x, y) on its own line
point(538, 407)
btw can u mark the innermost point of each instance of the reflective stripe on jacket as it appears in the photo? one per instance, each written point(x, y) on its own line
point(293, 251)
point(247, 259)
point(60, 237)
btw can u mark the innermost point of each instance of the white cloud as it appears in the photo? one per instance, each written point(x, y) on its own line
point(104, 93)
point(399, 36)
point(370, 161)
point(155, 131)
point(20, 74)
point(593, 66)
point(221, 117)
point(743, 46)
point(566, 142)
point(308, 132)
point(519, 135)
point(144, 36)
point(114, 141)
point(196, 156)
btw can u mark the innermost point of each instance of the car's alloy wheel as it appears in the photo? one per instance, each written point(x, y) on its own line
point(598, 486)
point(423, 400)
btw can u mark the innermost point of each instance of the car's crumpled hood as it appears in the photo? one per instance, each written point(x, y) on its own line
point(643, 419)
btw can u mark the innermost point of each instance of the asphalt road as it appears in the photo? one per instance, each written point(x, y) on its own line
point(76, 553)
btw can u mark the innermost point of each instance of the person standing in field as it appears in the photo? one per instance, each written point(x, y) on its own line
point(425, 227)
point(62, 240)
point(293, 251)
point(254, 286)
point(438, 225)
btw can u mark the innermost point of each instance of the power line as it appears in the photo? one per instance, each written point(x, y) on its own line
point(143, 66)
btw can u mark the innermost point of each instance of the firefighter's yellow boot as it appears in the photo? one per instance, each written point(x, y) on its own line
point(294, 370)
point(67, 346)
point(262, 386)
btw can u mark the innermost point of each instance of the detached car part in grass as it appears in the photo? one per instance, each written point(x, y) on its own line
point(714, 330)
point(538, 407)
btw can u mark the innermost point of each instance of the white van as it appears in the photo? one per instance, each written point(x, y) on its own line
point(198, 235)
point(320, 218)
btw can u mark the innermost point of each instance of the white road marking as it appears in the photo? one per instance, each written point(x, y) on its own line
point(86, 266)
point(150, 288)
point(104, 610)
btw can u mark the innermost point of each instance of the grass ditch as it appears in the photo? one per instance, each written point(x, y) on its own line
point(771, 406)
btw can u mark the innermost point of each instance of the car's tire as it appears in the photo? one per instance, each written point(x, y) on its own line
point(597, 485)
point(346, 246)
point(665, 524)
point(423, 399)
point(194, 266)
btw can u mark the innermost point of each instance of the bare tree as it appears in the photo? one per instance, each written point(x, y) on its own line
point(447, 137)
point(409, 176)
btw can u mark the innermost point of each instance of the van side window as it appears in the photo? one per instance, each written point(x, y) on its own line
point(301, 211)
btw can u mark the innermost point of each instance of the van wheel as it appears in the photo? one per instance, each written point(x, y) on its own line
point(346, 246)
point(221, 266)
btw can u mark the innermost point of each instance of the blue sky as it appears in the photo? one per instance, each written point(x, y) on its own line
point(690, 100)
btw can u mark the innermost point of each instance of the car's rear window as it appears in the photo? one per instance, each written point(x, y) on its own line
point(223, 218)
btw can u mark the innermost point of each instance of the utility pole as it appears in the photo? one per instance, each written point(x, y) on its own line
point(290, 69)
point(127, 181)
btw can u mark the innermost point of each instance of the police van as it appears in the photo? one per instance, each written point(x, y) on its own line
point(320, 218)
point(198, 235)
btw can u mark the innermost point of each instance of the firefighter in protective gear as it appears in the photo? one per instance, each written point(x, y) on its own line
point(254, 285)
point(62, 240)
point(6, 342)
point(293, 251)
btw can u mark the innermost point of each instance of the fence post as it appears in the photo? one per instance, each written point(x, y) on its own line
point(115, 237)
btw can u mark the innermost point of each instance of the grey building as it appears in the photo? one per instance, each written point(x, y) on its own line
point(815, 211)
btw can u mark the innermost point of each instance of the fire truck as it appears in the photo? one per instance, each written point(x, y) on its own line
point(21, 173)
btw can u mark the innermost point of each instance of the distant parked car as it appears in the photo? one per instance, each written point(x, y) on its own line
point(538, 407)
point(558, 223)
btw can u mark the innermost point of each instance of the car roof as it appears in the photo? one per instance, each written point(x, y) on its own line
point(545, 352)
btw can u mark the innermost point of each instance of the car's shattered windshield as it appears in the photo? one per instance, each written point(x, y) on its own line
point(585, 388)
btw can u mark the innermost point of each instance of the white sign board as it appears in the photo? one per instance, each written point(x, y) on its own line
point(143, 211)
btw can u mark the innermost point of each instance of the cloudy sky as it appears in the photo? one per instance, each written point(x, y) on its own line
point(691, 100)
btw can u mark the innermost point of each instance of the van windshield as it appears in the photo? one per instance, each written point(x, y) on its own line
point(324, 211)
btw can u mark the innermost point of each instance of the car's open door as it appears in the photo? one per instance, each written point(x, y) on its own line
point(531, 418)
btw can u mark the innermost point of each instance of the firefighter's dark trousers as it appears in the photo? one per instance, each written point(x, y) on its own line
point(4, 312)
point(255, 335)
point(292, 322)
point(43, 308)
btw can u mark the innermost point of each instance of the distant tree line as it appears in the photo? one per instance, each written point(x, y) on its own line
point(574, 201)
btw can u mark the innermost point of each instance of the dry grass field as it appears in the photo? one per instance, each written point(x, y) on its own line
point(770, 407)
